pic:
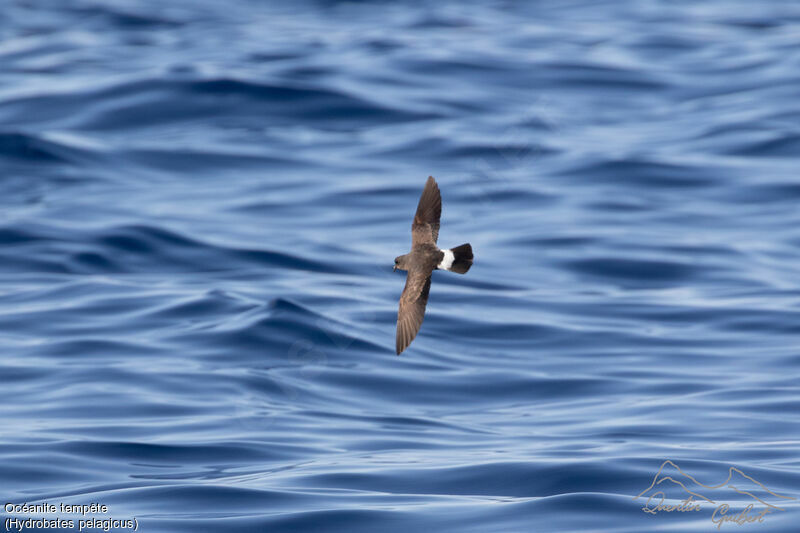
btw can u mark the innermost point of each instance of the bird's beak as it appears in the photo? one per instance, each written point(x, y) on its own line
point(394, 269)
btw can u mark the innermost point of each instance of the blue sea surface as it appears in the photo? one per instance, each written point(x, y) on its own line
point(201, 201)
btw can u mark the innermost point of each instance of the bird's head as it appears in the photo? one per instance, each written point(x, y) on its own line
point(400, 262)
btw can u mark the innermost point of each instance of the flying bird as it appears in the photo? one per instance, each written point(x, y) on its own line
point(425, 257)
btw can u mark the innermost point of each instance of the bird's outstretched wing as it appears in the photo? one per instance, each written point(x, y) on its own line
point(425, 228)
point(412, 307)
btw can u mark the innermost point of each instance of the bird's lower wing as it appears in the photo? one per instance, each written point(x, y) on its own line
point(425, 228)
point(412, 307)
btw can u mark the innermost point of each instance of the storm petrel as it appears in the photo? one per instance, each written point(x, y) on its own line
point(422, 260)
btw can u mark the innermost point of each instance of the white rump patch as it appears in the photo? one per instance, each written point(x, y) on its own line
point(447, 260)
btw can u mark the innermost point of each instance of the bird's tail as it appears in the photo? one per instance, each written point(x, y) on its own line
point(462, 258)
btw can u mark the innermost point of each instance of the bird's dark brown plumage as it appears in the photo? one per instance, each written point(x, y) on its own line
point(425, 228)
point(425, 255)
point(412, 307)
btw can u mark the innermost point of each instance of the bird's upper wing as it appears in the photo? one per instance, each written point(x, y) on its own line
point(412, 307)
point(425, 228)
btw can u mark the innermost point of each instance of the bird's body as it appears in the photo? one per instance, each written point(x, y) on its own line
point(424, 257)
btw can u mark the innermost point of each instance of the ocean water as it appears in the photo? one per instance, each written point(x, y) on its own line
point(200, 204)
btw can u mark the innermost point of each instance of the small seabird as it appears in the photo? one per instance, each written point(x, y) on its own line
point(425, 257)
